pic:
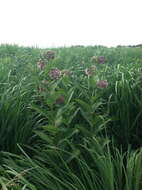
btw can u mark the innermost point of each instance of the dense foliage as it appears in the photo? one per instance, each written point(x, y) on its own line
point(70, 118)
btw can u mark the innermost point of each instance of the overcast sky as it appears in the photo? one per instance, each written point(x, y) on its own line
point(52, 23)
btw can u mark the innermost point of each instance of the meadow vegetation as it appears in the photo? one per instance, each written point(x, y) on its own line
point(70, 118)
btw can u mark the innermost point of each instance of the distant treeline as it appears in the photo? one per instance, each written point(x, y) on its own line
point(138, 45)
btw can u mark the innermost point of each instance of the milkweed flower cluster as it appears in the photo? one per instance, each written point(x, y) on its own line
point(101, 59)
point(41, 64)
point(45, 57)
point(90, 71)
point(49, 55)
point(94, 59)
point(55, 74)
point(102, 84)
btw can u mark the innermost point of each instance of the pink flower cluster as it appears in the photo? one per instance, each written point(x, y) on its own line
point(49, 55)
point(102, 84)
point(91, 70)
point(45, 57)
point(41, 64)
point(55, 74)
point(101, 59)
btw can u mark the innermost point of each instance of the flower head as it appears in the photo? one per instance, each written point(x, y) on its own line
point(55, 74)
point(102, 84)
point(41, 64)
point(94, 59)
point(49, 55)
point(91, 70)
point(101, 59)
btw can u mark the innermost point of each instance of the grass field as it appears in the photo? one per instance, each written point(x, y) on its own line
point(70, 118)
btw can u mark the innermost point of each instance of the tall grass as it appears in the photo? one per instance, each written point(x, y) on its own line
point(125, 106)
point(93, 165)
